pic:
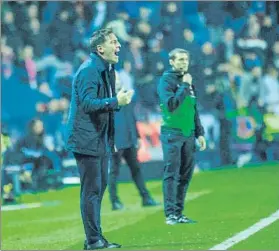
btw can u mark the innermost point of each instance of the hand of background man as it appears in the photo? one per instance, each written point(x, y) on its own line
point(202, 142)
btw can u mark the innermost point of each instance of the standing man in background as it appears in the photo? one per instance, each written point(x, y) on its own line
point(181, 125)
point(90, 129)
point(126, 142)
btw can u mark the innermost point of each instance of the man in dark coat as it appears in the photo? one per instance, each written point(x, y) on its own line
point(126, 141)
point(90, 129)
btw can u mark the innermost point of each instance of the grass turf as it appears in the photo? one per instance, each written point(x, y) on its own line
point(224, 202)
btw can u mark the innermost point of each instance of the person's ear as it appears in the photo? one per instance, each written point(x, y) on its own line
point(100, 49)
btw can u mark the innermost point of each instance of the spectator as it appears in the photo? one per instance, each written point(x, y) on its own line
point(98, 18)
point(20, 69)
point(32, 149)
point(170, 24)
point(37, 37)
point(119, 27)
point(157, 58)
point(21, 17)
point(145, 14)
point(8, 58)
point(137, 57)
point(269, 91)
point(80, 27)
point(190, 44)
point(268, 31)
point(251, 46)
point(275, 55)
point(250, 86)
point(30, 66)
point(143, 30)
point(61, 30)
point(227, 47)
point(215, 18)
point(10, 30)
point(237, 9)
point(126, 77)
point(206, 87)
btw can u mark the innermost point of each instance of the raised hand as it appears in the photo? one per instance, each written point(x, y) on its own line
point(124, 97)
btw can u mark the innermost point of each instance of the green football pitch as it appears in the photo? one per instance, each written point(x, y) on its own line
point(225, 202)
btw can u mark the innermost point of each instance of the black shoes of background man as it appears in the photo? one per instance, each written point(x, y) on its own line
point(117, 205)
point(100, 244)
point(149, 202)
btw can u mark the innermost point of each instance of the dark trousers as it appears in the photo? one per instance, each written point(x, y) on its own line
point(39, 172)
point(93, 179)
point(178, 153)
point(130, 156)
point(224, 144)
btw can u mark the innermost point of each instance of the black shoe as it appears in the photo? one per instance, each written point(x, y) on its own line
point(101, 244)
point(97, 245)
point(150, 203)
point(184, 219)
point(117, 205)
point(111, 244)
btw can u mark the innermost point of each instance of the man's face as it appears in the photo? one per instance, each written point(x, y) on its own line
point(9, 17)
point(110, 48)
point(276, 47)
point(254, 29)
point(257, 72)
point(188, 35)
point(229, 35)
point(172, 7)
point(180, 62)
point(33, 11)
point(38, 127)
point(207, 48)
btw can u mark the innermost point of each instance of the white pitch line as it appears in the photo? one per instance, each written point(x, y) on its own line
point(28, 205)
point(243, 235)
point(20, 206)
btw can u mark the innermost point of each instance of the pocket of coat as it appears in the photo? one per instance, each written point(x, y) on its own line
point(87, 139)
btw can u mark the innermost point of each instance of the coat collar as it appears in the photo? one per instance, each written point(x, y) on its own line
point(102, 65)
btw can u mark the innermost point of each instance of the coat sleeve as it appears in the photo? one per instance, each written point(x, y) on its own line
point(87, 89)
point(170, 98)
point(199, 130)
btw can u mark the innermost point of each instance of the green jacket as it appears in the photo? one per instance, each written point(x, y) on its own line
point(178, 105)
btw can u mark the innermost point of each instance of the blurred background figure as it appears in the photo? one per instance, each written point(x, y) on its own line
point(126, 143)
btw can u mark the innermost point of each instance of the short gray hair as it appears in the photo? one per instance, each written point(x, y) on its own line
point(175, 51)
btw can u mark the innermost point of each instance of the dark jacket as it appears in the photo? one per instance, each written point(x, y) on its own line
point(90, 127)
point(172, 92)
point(126, 134)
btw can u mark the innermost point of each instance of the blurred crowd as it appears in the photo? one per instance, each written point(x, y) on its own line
point(234, 61)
